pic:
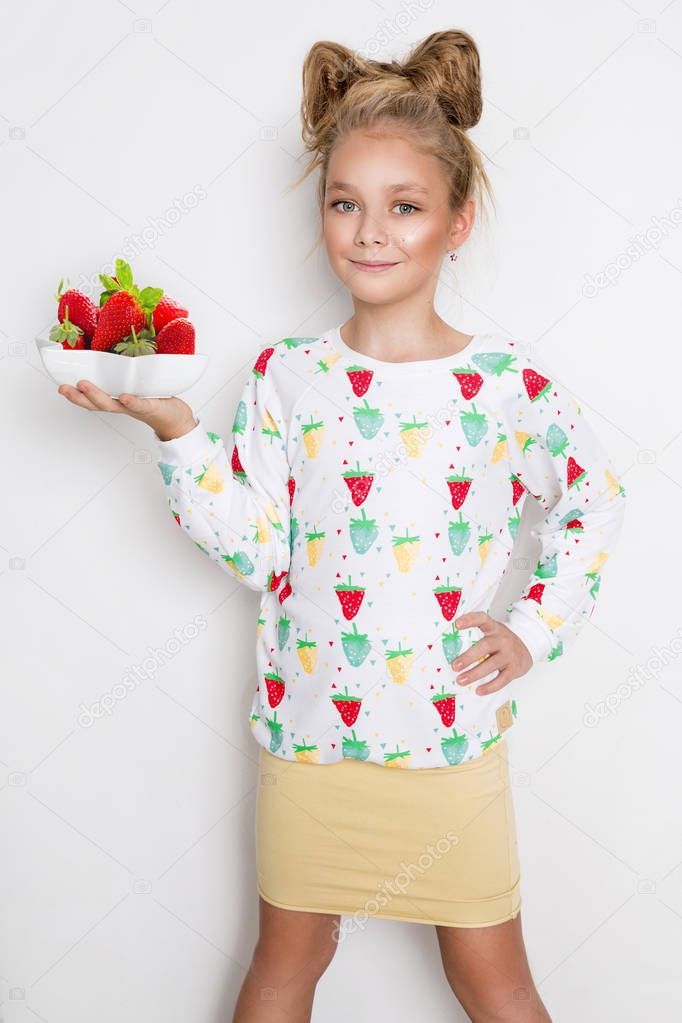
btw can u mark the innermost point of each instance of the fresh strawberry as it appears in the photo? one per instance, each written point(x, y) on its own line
point(136, 344)
point(75, 306)
point(117, 318)
point(68, 335)
point(176, 338)
point(167, 309)
point(147, 298)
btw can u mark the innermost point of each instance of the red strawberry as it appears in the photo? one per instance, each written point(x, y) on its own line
point(470, 381)
point(348, 706)
point(291, 483)
point(176, 338)
point(536, 385)
point(459, 488)
point(445, 705)
point(284, 592)
point(535, 592)
point(359, 482)
point(274, 580)
point(518, 489)
point(275, 687)
point(167, 309)
point(261, 363)
point(78, 308)
point(350, 598)
point(68, 335)
point(237, 467)
point(575, 473)
point(360, 379)
point(448, 598)
point(117, 317)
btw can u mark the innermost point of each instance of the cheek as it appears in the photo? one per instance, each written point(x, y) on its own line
point(423, 240)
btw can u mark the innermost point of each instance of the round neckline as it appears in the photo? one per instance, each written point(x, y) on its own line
point(334, 337)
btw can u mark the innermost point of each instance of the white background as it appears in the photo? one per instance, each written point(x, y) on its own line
point(128, 887)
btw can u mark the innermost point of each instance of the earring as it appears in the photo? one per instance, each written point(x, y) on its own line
point(453, 255)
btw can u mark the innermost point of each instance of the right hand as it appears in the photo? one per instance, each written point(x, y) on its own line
point(170, 418)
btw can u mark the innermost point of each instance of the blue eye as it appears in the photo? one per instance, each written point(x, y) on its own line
point(349, 202)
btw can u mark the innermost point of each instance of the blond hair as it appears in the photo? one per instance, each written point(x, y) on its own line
point(432, 98)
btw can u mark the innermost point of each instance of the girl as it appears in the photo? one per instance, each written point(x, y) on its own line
point(371, 493)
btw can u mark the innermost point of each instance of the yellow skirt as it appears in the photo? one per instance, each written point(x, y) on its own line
point(427, 845)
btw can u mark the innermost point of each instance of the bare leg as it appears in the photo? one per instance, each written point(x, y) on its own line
point(488, 970)
point(293, 950)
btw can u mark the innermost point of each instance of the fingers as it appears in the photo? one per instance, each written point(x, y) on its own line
point(495, 662)
point(476, 619)
point(502, 679)
point(76, 397)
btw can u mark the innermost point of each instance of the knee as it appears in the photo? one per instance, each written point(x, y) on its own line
point(297, 962)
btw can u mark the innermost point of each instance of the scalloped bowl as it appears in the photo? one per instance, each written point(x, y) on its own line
point(148, 376)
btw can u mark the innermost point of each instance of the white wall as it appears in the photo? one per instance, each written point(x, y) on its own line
point(127, 886)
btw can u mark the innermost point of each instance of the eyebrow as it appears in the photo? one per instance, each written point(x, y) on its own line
point(402, 186)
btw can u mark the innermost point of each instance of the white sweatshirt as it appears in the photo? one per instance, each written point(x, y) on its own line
point(372, 503)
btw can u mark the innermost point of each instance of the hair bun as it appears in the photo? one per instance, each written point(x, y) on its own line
point(447, 64)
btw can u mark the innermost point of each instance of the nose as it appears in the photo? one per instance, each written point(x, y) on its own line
point(371, 231)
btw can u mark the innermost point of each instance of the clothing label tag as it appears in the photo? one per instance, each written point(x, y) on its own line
point(504, 716)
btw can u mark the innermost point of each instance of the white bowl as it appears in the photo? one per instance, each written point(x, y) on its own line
point(148, 376)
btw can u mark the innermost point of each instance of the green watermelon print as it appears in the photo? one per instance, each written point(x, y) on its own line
point(371, 504)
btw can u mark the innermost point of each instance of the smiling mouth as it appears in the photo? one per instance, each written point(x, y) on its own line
point(370, 263)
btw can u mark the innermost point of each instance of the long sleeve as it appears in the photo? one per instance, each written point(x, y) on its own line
point(559, 460)
point(236, 506)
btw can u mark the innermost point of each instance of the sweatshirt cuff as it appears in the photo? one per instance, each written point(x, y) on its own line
point(187, 450)
point(531, 631)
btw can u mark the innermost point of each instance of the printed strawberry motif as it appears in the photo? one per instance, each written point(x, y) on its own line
point(350, 598)
point(360, 379)
point(368, 420)
point(347, 706)
point(401, 758)
point(313, 435)
point(166, 310)
point(363, 532)
point(575, 474)
point(314, 545)
point(484, 541)
point(275, 580)
point(240, 417)
point(240, 563)
point(557, 441)
point(448, 598)
point(238, 470)
point(518, 489)
point(458, 534)
point(445, 704)
point(546, 569)
point(261, 364)
point(537, 386)
point(291, 486)
point(399, 663)
point(459, 488)
point(283, 629)
point(276, 732)
point(307, 654)
point(500, 451)
point(359, 482)
point(356, 646)
point(454, 747)
point(451, 643)
point(495, 363)
point(405, 550)
point(513, 523)
point(414, 436)
point(474, 425)
point(535, 592)
point(307, 754)
point(355, 749)
point(275, 688)
point(470, 381)
point(286, 591)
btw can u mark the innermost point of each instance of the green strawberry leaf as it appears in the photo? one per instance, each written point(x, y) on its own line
point(109, 282)
point(124, 274)
point(150, 297)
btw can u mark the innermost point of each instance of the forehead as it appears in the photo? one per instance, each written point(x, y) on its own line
point(381, 163)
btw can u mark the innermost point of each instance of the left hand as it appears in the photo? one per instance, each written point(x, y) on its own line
point(501, 649)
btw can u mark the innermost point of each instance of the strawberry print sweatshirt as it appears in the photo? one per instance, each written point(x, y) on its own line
point(372, 503)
